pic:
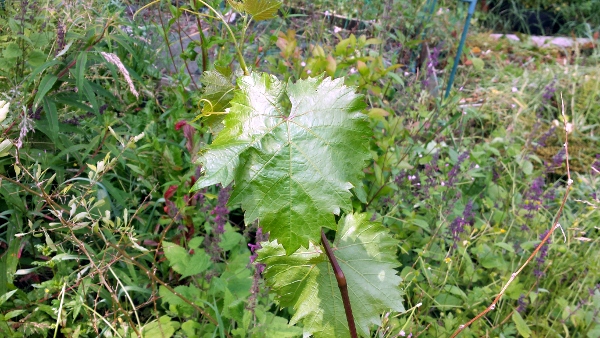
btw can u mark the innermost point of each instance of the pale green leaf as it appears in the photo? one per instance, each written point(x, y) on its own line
point(175, 303)
point(5, 146)
point(238, 6)
point(191, 328)
point(52, 116)
point(277, 327)
point(36, 58)
point(14, 313)
point(305, 280)
point(184, 263)
point(521, 325)
point(262, 9)
point(45, 85)
point(80, 70)
point(12, 50)
point(218, 91)
point(527, 167)
point(6, 296)
point(478, 63)
point(161, 328)
point(294, 150)
point(39, 40)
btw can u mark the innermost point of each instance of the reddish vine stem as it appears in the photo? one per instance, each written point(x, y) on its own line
point(555, 225)
point(342, 284)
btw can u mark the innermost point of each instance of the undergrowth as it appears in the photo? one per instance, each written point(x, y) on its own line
point(110, 225)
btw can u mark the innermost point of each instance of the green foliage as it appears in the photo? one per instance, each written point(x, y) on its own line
point(293, 164)
point(182, 262)
point(439, 203)
point(306, 281)
point(261, 9)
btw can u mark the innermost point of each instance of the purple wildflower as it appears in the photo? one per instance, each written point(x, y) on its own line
point(25, 126)
point(259, 268)
point(457, 226)
point(430, 173)
point(260, 237)
point(432, 63)
point(549, 91)
point(532, 200)
point(541, 141)
point(541, 259)
point(456, 168)
point(172, 210)
point(592, 291)
point(557, 161)
point(596, 165)
point(517, 246)
point(60, 36)
point(495, 174)
point(550, 194)
point(522, 304)
point(221, 213)
point(400, 177)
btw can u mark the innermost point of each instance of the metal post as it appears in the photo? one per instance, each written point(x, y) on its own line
point(472, 4)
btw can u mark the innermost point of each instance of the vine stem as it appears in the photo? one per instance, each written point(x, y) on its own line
point(555, 225)
point(342, 284)
point(235, 41)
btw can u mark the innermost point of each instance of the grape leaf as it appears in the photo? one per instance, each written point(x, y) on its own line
point(305, 280)
point(217, 93)
point(294, 151)
point(218, 90)
point(262, 9)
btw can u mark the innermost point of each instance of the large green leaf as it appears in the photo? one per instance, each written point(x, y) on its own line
point(294, 150)
point(305, 280)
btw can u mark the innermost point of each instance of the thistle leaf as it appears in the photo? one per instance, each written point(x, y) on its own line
point(305, 280)
point(294, 150)
point(262, 9)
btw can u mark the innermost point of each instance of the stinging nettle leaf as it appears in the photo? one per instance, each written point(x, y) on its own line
point(293, 167)
point(305, 280)
point(262, 9)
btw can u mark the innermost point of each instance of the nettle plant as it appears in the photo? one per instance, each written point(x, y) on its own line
point(294, 152)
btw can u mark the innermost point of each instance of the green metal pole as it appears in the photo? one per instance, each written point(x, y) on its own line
point(472, 4)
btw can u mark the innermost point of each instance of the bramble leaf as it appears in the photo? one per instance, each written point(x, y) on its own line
point(294, 150)
point(305, 280)
point(262, 9)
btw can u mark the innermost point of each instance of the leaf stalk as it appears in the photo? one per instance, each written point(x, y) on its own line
point(342, 285)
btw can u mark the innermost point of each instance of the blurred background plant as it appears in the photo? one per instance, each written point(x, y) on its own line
point(99, 235)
